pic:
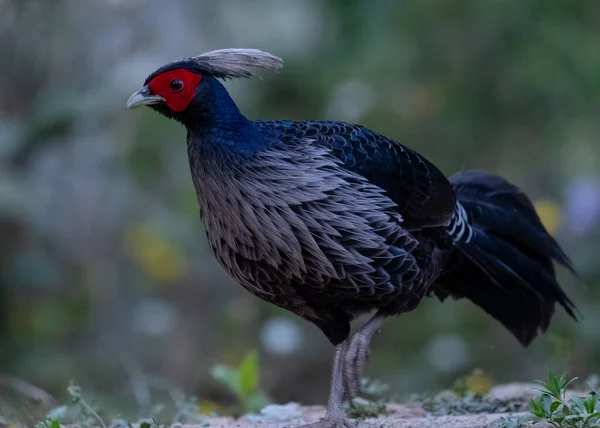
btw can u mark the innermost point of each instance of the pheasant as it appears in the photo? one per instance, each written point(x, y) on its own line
point(331, 220)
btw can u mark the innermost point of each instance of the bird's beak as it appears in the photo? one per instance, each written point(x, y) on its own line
point(143, 97)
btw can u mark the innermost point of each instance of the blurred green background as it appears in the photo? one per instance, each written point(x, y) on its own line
point(105, 274)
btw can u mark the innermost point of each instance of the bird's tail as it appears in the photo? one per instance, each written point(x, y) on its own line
point(503, 261)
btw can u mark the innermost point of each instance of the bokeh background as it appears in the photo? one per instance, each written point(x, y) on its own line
point(106, 276)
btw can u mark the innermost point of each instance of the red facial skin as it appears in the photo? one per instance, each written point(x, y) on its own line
point(177, 100)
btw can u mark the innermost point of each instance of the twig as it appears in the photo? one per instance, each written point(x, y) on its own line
point(26, 389)
point(92, 412)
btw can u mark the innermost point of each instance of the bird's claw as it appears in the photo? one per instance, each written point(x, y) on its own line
point(334, 421)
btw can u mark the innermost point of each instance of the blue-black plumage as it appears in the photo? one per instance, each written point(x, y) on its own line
point(331, 220)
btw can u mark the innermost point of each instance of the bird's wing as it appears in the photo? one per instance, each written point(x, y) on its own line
point(424, 196)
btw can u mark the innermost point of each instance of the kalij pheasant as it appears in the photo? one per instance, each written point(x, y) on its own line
point(331, 220)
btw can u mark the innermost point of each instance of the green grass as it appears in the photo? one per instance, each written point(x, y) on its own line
point(242, 382)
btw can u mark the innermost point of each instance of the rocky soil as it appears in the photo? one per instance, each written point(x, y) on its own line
point(399, 415)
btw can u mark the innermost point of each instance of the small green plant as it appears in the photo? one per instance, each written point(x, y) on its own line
point(50, 423)
point(376, 395)
point(243, 383)
point(79, 411)
point(552, 406)
point(365, 409)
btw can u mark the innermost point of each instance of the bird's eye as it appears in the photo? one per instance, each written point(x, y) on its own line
point(176, 85)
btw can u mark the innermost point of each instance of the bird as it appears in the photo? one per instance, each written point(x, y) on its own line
point(331, 220)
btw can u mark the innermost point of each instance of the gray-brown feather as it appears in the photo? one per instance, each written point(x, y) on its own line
point(297, 230)
point(234, 63)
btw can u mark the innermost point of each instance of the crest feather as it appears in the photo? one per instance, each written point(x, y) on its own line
point(232, 63)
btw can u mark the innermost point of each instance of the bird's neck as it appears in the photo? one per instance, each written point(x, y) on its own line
point(219, 126)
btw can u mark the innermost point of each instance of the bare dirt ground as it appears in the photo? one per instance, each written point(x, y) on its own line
point(400, 416)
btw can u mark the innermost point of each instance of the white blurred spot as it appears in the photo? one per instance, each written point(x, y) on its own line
point(582, 205)
point(280, 335)
point(281, 412)
point(448, 353)
point(154, 318)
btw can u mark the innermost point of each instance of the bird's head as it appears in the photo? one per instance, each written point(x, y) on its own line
point(188, 89)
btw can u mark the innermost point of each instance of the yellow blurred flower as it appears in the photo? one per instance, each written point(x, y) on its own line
point(550, 214)
point(209, 407)
point(476, 382)
point(479, 383)
point(158, 258)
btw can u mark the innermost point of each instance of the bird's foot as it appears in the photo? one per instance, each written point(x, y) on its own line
point(332, 420)
point(354, 361)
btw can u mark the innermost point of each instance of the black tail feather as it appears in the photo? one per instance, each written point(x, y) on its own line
point(506, 267)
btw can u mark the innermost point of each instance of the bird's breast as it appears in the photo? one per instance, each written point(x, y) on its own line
point(296, 217)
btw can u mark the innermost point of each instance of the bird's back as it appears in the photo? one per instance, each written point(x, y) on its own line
point(421, 191)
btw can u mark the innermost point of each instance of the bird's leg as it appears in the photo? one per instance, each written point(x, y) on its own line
point(335, 416)
point(357, 354)
point(350, 357)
